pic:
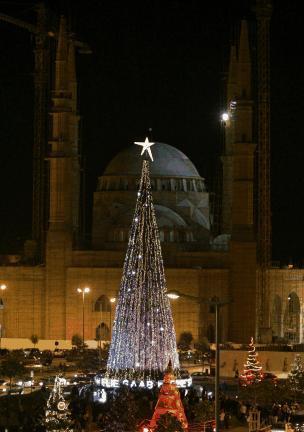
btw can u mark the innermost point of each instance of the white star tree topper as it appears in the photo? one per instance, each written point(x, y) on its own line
point(146, 147)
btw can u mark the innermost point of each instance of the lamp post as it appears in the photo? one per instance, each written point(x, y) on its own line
point(112, 301)
point(99, 332)
point(2, 288)
point(83, 291)
point(216, 303)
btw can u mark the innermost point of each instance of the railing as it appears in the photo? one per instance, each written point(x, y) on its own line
point(266, 429)
point(207, 426)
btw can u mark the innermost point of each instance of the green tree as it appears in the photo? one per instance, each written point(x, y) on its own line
point(295, 379)
point(25, 413)
point(34, 339)
point(11, 367)
point(204, 411)
point(168, 423)
point(89, 361)
point(185, 340)
point(264, 393)
point(77, 340)
point(202, 345)
point(121, 412)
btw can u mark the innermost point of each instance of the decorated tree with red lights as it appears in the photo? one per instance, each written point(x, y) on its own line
point(252, 368)
point(169, 411)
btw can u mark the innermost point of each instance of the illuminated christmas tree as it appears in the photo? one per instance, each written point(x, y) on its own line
point(143, 339)
point(169, 404)
point(57, 415)
point(252, 368)
point(295, 380)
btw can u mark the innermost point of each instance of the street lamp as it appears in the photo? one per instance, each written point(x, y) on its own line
point(217, 304)
point(2, 288)
point(83, 291)
point(112, 301)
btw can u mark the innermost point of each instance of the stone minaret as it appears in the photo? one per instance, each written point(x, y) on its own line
point(243, 146)
point(74, 141)
point(64, 186)
point(241, 150)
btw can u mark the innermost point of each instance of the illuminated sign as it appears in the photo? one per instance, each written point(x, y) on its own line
point(148, 384)
point(100, 396)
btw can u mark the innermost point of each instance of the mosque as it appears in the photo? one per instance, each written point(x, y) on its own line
point(43, 299)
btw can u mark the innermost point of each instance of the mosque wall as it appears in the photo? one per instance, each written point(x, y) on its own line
point(24, 299)
point(276, 362)
point(23, 312)
point(188, 316)
point(243, 314)
point(286, 304)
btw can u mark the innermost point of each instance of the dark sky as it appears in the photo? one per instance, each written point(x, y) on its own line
point(154, 64)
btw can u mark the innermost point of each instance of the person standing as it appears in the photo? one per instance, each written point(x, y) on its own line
point(222, 419)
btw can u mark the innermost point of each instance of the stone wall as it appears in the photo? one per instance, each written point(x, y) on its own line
point(272, 361)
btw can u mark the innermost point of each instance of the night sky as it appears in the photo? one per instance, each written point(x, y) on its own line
point(160, 65)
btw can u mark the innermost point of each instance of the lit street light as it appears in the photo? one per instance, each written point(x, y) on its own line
point(112, 300)
point(83, 291)
point(2, 288)
point(216, 303)
point(225, 117)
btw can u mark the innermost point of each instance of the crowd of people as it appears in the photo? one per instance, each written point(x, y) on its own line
point(277, 414)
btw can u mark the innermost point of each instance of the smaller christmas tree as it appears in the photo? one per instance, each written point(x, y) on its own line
point(252, 368)
point(169, 401)
point(295, 380)
point(57, 415)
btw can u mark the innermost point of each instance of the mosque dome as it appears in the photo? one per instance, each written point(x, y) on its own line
point(168, 162)
point(180, 198)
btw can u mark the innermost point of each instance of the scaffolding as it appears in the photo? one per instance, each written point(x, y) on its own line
point(263, 15)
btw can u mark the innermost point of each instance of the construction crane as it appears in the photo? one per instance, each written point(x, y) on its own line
point(263, 11)
point(43, 34)
point(41, 93)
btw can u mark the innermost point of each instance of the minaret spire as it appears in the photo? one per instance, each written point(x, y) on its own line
point(244, 63)
point(232, 78)
point(241, 113)
point(74, 138)
point(60, 183)
point(238, 172)
point(60, 233)
point(61, 57)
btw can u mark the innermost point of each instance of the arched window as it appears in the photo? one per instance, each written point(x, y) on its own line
point(292, 318)
point(102, 304)
point(276, 317)
point(211, 333)
point(102, 332)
